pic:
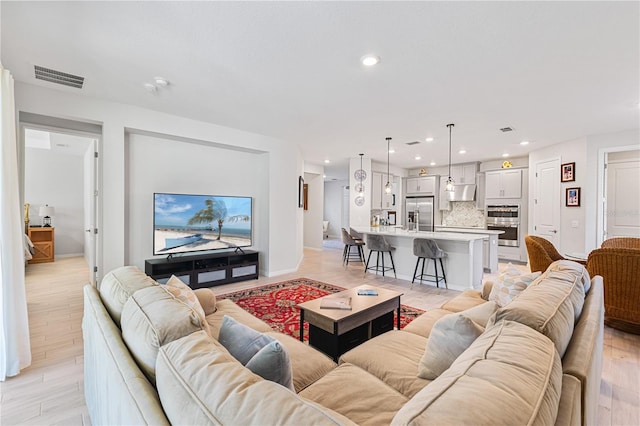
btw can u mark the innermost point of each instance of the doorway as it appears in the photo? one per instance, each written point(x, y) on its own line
point(621, 200)
point(546, 200)
point(60, 169)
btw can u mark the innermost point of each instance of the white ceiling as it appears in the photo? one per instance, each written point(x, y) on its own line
point(554, 71)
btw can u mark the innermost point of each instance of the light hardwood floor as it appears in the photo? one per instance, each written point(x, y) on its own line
point(50, 391)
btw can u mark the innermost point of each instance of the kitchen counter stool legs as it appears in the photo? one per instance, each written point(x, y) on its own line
point(380, 245)
point(425, 248)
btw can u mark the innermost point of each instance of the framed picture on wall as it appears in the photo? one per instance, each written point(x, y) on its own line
point(573, 197)
point(568, 172)
point(300, 191)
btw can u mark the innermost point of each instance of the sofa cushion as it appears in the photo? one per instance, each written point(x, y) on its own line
point(151, 318)
point(260, 353)
point(510, 372)
point(451, 335)
point(227, 307)
point(118, 285)
point(507, 286)
point(423, 325)
point(574, 268)
point(356, 394)
point(392, 357)
point(307, 363)
point(550, 306)
point(465, 300)
point(183, 293)
point(199, 383)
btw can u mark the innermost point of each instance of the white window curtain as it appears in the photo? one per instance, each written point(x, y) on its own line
point(15, 349)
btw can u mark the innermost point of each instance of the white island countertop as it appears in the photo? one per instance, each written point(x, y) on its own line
point(440, 235)
point(471, 230)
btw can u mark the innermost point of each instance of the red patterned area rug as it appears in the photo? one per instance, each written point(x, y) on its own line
point(276, 303)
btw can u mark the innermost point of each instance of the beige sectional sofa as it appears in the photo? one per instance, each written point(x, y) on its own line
point(150, 359)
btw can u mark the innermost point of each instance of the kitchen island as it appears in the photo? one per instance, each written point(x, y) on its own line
point(463, 264)
point(490, 249)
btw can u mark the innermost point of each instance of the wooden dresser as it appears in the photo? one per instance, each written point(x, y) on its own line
point(43, 240)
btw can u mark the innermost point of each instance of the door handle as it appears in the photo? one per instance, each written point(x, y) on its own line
point(554, 231)
point(87, 230)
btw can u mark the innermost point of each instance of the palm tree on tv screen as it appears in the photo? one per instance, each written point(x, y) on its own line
point(215, 210)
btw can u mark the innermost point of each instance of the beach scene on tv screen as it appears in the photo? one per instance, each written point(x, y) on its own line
point(184, 223)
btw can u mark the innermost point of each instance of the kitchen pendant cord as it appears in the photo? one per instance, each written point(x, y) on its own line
point(450, 126)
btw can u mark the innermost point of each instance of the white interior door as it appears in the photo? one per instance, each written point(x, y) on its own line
point(547, 200)
point(622, 195)
point(90, 209)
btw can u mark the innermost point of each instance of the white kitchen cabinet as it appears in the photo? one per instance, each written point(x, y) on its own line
point(464, 174)
point(380, 200)
point(503, 184)
point(423, 185)
point(443, 196)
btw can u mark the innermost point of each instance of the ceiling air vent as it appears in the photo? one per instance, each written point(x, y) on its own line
point(413, 143)
point(507, 129)
point(58, 77)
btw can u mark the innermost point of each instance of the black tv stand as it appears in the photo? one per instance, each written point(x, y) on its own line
point(206, 270)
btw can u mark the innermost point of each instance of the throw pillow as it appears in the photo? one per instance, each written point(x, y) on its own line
point(480, 314)
point(507, 287)
point(207, 299)
point(261, 354)
point(451, 336)
point(183, 293)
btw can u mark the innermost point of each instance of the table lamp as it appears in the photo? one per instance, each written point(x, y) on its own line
point(46, 212)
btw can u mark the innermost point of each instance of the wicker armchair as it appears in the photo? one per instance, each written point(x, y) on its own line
point(620, 270)
point(622, 242)
point(541, 253)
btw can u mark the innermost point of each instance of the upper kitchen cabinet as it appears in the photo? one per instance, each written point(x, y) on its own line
point(423, 185)
point(464, 174)
point(503, 183)
point(379, 198)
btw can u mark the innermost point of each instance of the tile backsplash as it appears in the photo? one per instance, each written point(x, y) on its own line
point(463, 213)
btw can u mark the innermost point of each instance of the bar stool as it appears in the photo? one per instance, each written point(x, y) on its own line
point(425, 248)
point(380, 245)
point(348, 243)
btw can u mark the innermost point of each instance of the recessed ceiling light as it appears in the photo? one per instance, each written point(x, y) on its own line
point(370, 60)
point(327, 161)
point(149, 87)
point(462, 151)
point(433, 163)
point(524, 143)
point(429, 139)
point(162, 82)
point(418, 157)
point(505, 155)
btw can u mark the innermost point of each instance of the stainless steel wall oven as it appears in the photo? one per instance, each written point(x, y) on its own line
point(505, 218)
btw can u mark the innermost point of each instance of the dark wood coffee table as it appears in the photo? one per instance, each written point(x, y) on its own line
point(335, 331)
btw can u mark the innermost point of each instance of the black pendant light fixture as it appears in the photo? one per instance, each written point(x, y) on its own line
point(450, 181)
point(388, 187)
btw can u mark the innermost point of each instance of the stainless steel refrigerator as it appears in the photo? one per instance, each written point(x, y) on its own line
point(422, 208)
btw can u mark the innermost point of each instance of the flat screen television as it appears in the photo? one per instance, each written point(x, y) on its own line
point(184, 223)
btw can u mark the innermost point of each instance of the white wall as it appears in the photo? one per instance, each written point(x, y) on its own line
point(313, 215)
point(54, 178)
point(163, 165)
point(584, 152)
point(333, 206)
point(284, 246)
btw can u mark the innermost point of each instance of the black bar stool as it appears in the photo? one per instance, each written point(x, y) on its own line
point(425, 248)
point(348, 243)
point(380, 245)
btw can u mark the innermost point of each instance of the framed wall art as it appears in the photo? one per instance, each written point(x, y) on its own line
point(573, 197)
point(568, 172)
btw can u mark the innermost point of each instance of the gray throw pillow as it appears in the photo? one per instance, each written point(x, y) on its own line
point(261, 354)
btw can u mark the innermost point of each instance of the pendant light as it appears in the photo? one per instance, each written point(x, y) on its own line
point(450, 181)
point(388, 187)
point(360, 177)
